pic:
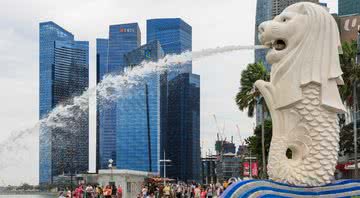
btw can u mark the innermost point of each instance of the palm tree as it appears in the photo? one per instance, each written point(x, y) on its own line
point(248, 97)
point(351, 76)
point(350, 71)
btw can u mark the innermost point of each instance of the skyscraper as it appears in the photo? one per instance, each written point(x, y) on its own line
point(279, 5)
point(263, 13)
point(102, 49)
point(64, 66)
point(175, 37)
point(348, 7)
point(110, 56)
point(183, 127)
point(140, 121)
point(267, 10)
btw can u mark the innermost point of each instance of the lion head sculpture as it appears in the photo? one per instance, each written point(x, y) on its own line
point(304, 42)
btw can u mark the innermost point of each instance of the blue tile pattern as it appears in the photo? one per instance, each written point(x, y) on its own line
point(267, 188)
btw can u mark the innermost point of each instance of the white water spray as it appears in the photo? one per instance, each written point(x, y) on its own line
point(110, 89)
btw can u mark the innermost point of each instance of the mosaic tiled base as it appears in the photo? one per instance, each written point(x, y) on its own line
point(266, 188)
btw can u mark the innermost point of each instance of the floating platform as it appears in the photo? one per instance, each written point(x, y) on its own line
point(267, 188)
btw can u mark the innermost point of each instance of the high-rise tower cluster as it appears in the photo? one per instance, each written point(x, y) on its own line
point(161, 112)
point(135, 131)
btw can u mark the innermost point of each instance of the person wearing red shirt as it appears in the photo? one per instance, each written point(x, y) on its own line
point(119, 192)
point(203, 193)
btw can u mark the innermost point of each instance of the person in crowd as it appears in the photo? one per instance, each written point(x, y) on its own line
point(119, 192)
point(203, 193)
point(144, 191)
point(167, 190)
point(113, 191)
point(107, 192)
point(99, 192)
point(151, 195)
point(219, 191)
point(79, 191)
point(161, 190)
point(61, 195)
point(89, 190)
point(178, 191)
point(197, 192)
point(193, 190)
point(209, 192)
point(68, 192)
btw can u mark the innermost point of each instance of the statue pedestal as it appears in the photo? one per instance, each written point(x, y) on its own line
point(267, 188)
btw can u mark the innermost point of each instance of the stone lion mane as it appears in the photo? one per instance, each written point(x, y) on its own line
point(316, 59)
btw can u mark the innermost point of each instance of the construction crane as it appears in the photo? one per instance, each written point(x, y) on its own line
point(241, 140)
point(221, 133)
point(218, 128)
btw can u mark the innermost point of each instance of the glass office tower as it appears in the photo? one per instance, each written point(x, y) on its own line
point(348, 7)
point(122, 39)
point(102, 48)
point(64, 73)
point(279, 5)
point(184, 128)
point(263, 13)
point(175, 37)
point(140, 116)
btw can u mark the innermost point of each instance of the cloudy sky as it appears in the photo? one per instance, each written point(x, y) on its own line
point(215, 23)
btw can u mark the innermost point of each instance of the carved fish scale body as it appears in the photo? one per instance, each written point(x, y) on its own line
point(314, 159)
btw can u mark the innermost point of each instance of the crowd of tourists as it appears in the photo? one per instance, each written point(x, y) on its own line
point(181, 190)
point(89, 191)
point(149, 190)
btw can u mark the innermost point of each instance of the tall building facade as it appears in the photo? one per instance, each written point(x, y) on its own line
point(140, 122)
point(102, 49)
point(183, 109)
point(267, 10)
point(208, 170)
point(111, 60)
point(263, 13)
point(64, 73)
point(348, 7)
point(184, 127)
point(175, 37)
point(280, 5)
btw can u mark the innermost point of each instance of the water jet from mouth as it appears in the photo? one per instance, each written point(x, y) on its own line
point(109, 90)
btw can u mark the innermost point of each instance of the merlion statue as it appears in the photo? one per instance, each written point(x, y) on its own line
point(302, 95)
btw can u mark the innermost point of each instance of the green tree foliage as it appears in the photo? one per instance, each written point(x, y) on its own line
point(247, 96)
point(351, 71)
point(347, 140)
point(254, 142)
point(351, 75)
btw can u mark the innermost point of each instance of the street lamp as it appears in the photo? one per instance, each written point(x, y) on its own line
point(165, 161)
point(111, 169)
